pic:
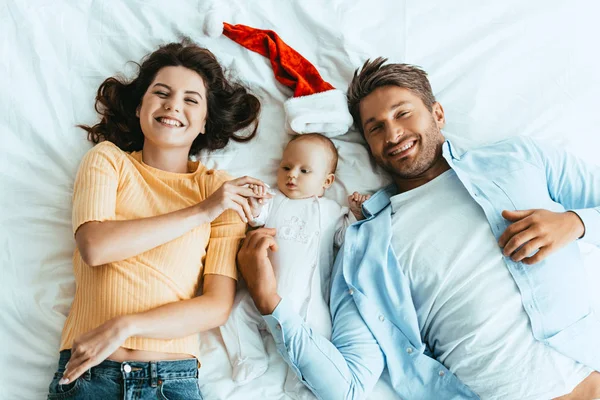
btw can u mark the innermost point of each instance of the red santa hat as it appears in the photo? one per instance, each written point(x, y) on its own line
point(316, 106)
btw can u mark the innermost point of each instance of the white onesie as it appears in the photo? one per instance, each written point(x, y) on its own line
point(307, 232)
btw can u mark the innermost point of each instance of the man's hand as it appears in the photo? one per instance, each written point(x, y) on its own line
point(541, 230)
point(256, 268)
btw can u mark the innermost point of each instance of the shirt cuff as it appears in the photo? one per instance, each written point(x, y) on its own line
point(591, 225)
point(283, 323)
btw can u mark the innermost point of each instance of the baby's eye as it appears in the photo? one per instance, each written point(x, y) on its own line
point(304, 171)
point(286, 168)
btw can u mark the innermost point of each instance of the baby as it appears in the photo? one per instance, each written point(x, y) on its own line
point(308, 226)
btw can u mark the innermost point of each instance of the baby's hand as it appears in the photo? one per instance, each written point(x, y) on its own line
point(356, 200)
point(262, 195)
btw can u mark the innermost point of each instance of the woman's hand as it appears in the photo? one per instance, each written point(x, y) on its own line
point(93, 347)
point(233, 195)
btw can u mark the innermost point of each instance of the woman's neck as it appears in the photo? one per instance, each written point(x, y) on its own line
point(171, 160)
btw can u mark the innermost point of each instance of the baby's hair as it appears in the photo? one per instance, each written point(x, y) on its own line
point(325, 141)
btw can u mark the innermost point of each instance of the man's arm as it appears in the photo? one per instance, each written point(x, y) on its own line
point(575, 184)
point(345, 368)
point(534, 234)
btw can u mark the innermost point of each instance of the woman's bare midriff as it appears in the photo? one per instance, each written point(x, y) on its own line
point(122, 354)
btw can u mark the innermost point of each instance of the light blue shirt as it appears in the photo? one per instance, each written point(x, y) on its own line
point(374, 320)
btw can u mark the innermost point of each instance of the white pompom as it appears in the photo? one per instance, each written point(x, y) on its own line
point(214, 18)
point(213, 24)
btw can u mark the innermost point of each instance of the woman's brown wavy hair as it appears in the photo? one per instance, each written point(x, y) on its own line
point(230, 107)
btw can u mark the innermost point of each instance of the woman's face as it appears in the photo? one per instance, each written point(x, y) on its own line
point(173, 109)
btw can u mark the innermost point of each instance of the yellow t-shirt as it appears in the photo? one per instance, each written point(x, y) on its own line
point(114, 185)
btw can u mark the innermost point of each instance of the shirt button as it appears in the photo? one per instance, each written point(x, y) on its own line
point(127, 368)
point(351, 291)
point(442, 373)
point(381, 318)
point(278, 327)
point(409, 350)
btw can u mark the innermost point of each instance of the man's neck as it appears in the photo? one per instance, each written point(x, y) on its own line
point(438, 168)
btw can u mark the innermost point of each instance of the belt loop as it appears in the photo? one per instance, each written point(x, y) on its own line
point(153, 374)
point(87, 375)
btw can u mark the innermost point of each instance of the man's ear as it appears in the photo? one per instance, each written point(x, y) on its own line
point(329, 181)
point(438, 115)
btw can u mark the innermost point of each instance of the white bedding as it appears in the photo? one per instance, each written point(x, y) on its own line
point(499, 68)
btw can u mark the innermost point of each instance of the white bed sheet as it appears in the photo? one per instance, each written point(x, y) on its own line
point(499, 68)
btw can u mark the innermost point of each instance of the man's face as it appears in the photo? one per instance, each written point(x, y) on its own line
point(403, 135)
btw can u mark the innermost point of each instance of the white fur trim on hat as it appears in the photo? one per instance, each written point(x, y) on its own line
point(325, 113)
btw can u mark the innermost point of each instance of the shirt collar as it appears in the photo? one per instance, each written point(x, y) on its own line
point(381, 199)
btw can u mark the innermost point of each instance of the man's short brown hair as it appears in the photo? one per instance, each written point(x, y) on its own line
point(374, 74)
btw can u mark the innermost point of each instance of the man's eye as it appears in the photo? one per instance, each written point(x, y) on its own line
point(402, 114)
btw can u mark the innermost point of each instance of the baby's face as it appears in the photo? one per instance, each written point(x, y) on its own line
point(305, 169)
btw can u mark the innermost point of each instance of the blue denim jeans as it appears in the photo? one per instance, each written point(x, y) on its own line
point(169, 380)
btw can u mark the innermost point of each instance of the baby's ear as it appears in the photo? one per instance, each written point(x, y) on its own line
point(329, 181)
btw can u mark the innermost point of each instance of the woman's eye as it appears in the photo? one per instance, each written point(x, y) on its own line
point(160, 94)
point(192, 101)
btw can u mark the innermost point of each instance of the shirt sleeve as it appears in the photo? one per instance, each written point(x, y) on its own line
point(574, 184)
point(348, 367)
point(226, 233)
point(95, 188)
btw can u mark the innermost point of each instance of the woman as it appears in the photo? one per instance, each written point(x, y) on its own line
point(151, 226)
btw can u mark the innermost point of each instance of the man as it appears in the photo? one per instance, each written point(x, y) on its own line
point(464, 280)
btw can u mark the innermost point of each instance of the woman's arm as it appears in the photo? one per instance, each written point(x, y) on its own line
point(109, 241)
point(173, 320)
point(187, 317)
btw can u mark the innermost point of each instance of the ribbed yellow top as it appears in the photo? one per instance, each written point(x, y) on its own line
point(114, 185)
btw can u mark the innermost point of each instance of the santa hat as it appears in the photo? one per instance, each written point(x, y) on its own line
point(316, 106)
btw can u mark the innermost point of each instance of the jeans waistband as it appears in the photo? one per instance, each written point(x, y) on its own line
point(162, 370)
